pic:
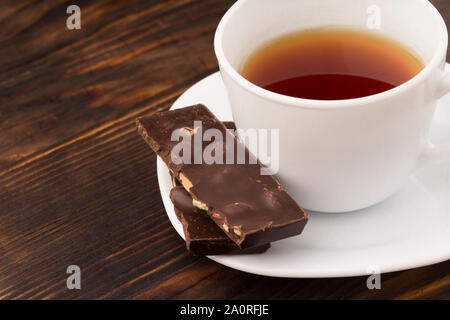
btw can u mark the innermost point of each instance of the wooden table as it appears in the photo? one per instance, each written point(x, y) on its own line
point(79, 186)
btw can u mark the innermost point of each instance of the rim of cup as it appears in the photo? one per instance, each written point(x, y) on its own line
point(327, 104)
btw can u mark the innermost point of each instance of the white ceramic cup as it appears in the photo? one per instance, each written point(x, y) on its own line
point(338, 156)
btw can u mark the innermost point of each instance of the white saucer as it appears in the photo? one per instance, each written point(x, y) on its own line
point(410, 229)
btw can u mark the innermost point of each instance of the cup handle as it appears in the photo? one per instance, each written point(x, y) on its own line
point(435, 154)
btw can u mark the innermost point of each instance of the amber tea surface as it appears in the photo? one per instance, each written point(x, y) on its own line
point(331, 64)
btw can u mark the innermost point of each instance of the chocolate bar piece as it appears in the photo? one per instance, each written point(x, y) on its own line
point(229, 125)
point(251, 208)
point(202, 235)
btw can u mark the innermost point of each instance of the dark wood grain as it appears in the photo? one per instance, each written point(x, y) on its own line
point(77, 184)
